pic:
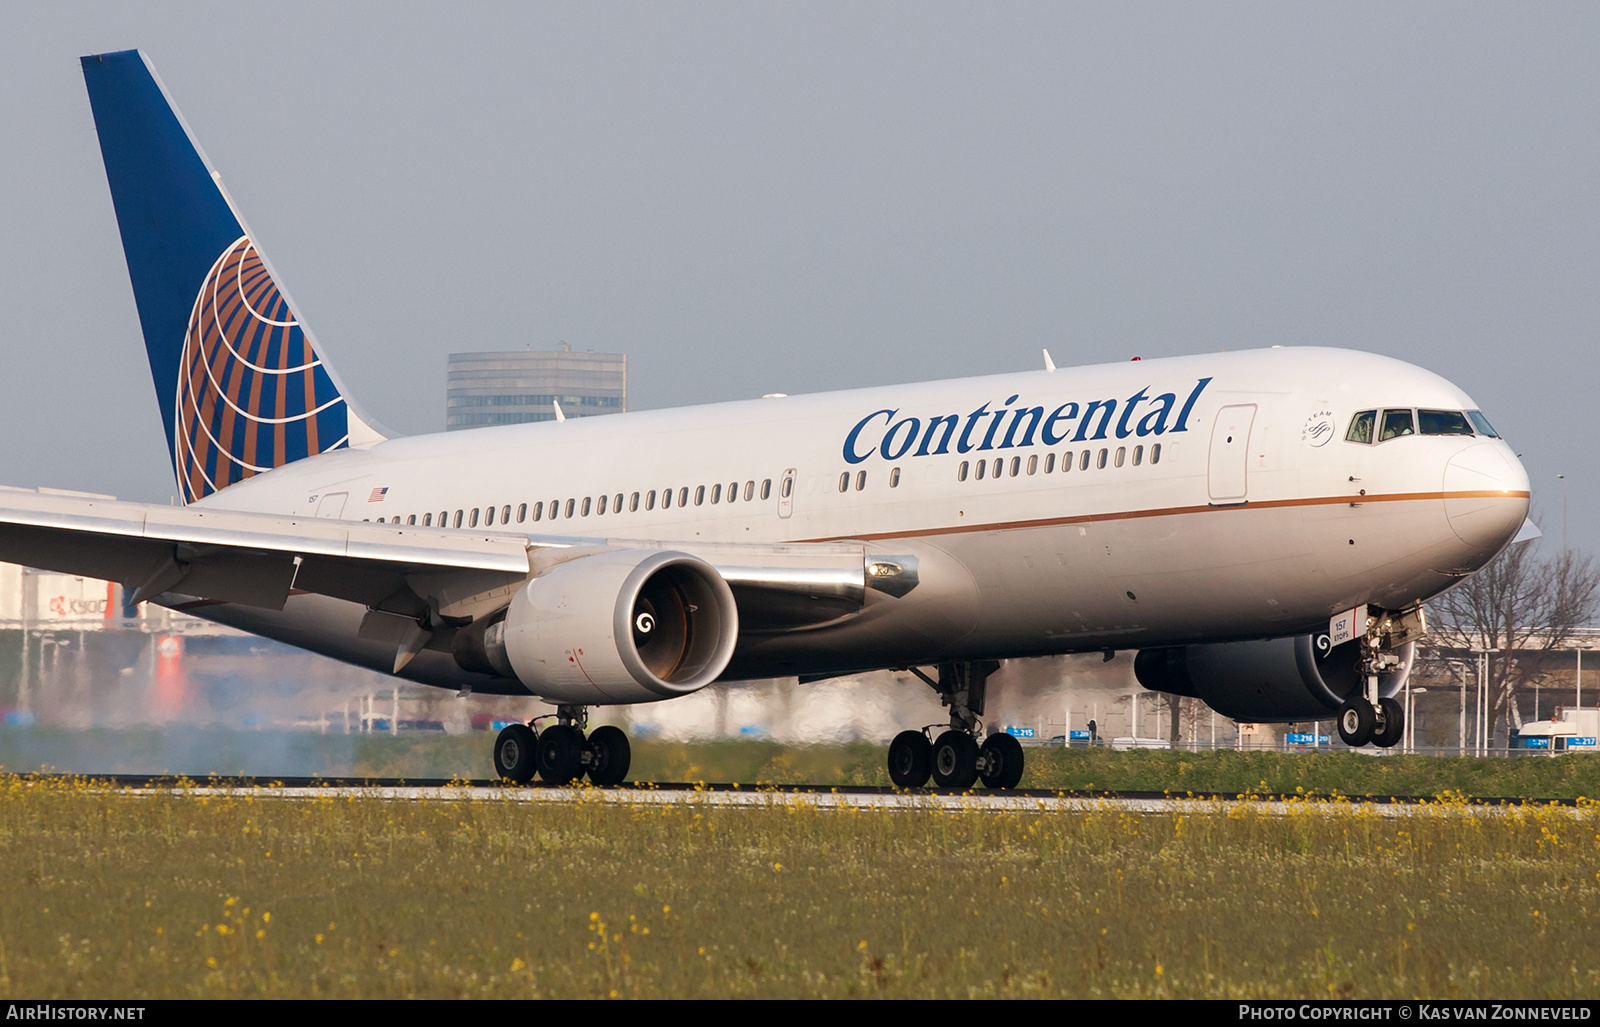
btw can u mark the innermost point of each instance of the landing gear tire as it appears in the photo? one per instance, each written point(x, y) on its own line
point(910, 759)
point(1357, 721)
point(609, 755)
point(1001, 758)
point(514, 754)
point(559, 754)
point(955, 761)
point(1391, 724)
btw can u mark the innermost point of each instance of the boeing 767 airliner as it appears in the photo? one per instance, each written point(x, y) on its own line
point(1262, 526)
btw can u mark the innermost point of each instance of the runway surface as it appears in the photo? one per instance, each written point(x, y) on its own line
point(820, 797)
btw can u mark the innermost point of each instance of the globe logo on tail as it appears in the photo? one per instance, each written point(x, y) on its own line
point(252, 392)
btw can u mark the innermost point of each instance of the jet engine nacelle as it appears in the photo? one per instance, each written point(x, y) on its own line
point(627, 626)
point(1277, 680)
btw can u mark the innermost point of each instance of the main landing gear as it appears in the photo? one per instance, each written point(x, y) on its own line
point(955, 759)
point(559, 753)
point(1367, 717)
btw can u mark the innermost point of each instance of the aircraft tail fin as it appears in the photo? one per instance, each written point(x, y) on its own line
point(242, 386)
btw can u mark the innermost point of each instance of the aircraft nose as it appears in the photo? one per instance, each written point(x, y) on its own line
point(1485, 495)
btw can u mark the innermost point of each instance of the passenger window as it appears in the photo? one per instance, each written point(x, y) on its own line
point(861, 480)
point(1155, 453)
point(1122, 451)
point(459, 515)
point(961, 472)
point(983, 468)
point(1033, 464)
point(750, 491)
point(1016, 466)
point(1361, 427)
point(733, 491)
point(1049, 462)
point(1442, 422)
point(633, 503)
point(1395, 424)
point(894, 478)
point(1083, 461)
point(585, 506)
point(1100, 464)
point(444, 518)
point(602, 507)
point(571, 504)
point(1138, 455)
point(1481, 423)
point(844, 482)
point(683, 496)
point(538, 510)
point(505, 514)
point(488, 516)
point(716, 493)
point(427, 520)
point(616, 503)
point(999, 465)
point(788, 487)
point(699, 495)
point(522, 512)
point(650, 500)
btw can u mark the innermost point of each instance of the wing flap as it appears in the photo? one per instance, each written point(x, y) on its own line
point(249, 558)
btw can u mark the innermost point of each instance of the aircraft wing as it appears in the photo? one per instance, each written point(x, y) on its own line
point(257, 559)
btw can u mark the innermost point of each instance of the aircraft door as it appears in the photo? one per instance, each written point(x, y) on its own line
point(786, 494)
point(1230, 454)
point(332, 505)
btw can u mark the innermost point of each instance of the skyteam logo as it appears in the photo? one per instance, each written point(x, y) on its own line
point(893, 436)
point(252, 393)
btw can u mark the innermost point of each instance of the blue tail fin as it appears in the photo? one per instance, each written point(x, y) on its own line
point(241, 384)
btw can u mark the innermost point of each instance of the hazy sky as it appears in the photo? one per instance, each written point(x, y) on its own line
point(752, 198)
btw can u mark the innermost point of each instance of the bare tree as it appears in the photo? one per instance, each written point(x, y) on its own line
point(1521, 609)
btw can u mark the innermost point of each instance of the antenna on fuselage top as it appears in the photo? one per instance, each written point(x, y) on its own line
point(1049, 365)
point(559, 415)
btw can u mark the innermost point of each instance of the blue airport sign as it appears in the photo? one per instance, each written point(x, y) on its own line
point(1022, 732)
point(1080, 734)
point(1302, 739)
point(1581, 742)
point(1535, 743)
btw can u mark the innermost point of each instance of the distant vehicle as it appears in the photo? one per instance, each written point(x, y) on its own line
point(1205, 510)
point(1572, 730)
point(1123, 743)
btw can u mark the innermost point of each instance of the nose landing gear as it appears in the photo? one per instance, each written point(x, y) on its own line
point(560, 754)
point(1367, 717)
point(955, 759)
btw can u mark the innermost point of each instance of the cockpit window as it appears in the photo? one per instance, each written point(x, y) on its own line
point(1481, 423)
point(1361, 427)
point(1442, 422)
point(1395, 424)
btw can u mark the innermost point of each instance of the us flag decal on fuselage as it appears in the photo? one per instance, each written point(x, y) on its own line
point(378, 494)
point(252, 393)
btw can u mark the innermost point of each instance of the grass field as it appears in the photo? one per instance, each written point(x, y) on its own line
point(126, 895)
point(199, 752)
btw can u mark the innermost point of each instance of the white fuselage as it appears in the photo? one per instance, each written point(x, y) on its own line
point(1258, 518)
